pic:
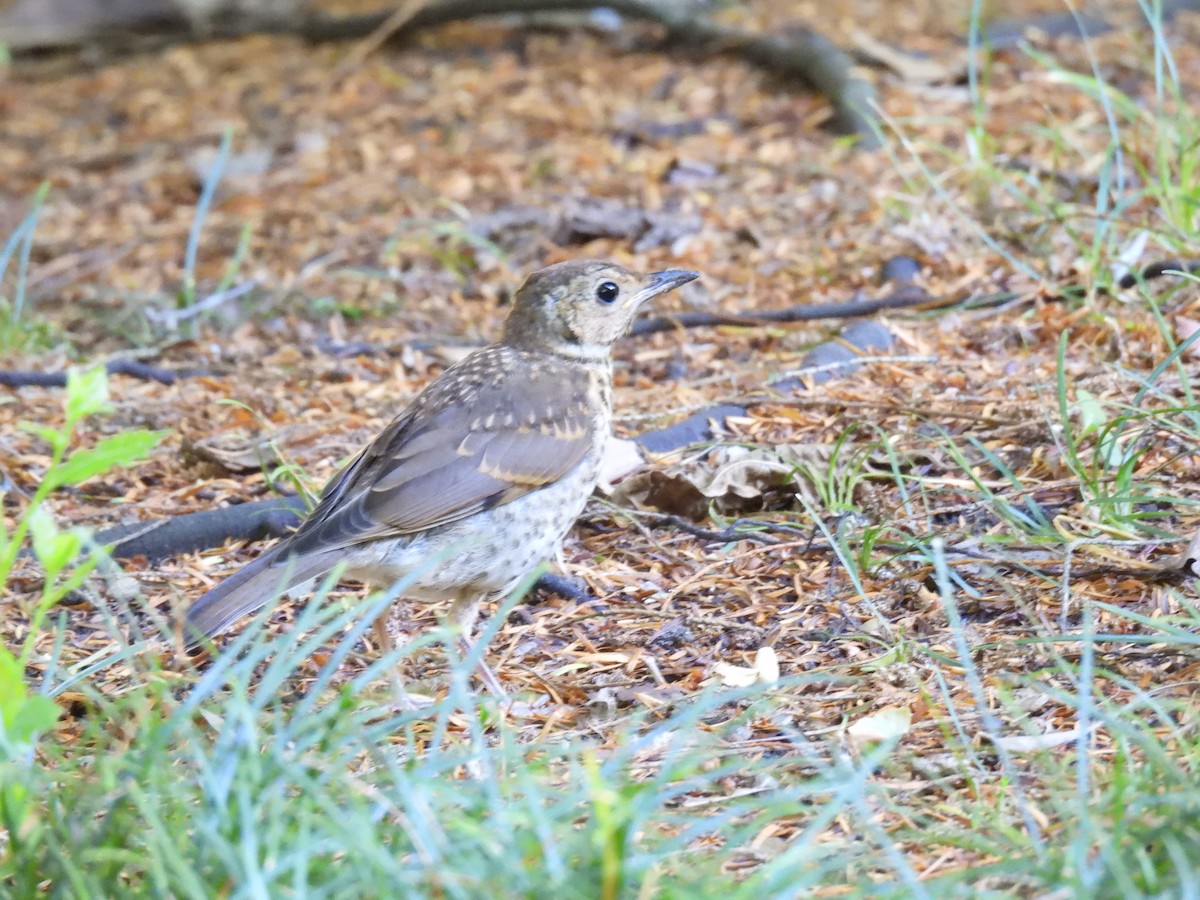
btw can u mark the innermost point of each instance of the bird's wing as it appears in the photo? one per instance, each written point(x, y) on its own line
point(484, 434)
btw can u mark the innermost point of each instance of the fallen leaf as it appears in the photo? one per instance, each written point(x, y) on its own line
point(765, 670)
point(1129, 255)
point(735, 676)
point(766, 664)
point(889, 723)
point(736, 479)
point(1184, 329)
point(1029, 743)
point(235, 452)
point(1191, 556)
point(621, 458)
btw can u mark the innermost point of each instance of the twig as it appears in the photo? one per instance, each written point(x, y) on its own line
point(1158, 270)
point(724, 536)
point(131, 367)
point(385, 31)
point(692, 619)
point(906, 297)
point(566, 587)
point(170, 319)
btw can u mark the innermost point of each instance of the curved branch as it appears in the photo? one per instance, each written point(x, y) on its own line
point(255, 520)
point(802, 54)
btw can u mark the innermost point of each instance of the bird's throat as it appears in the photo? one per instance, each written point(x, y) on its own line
point(600, 354)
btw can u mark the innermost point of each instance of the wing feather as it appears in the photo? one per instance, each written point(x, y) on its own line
point(492, 429)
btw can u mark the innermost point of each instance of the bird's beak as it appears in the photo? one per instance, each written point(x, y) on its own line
point(659, 283)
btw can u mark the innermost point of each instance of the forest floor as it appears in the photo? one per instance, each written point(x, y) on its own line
point(1007, 479)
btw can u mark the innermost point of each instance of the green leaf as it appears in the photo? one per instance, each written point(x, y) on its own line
point(87, 393)
point(21, 714)
point(36, 714)
point(118, 450)
point(12, 685)
point(1091, 411)
point(54, 549)
point(52, 436)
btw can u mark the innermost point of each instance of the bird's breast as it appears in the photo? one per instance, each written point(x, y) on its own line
point(489, 552)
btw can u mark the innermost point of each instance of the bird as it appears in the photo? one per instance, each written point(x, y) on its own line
point(486, 470)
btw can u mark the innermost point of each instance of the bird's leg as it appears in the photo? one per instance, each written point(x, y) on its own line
point(383, 638)
point(465, 612)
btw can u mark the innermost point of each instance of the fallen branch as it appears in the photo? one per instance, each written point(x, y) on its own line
point(130, 367)
point(804, 55)
point(906, 296)
point(256, 520)
point(797, 54)
point(1159, 270)
point(1003, 33)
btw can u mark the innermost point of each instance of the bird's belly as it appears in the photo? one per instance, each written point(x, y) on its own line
point(489, 552)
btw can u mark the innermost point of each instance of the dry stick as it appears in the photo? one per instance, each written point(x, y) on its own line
point(1158, 270)
point(689, 618)
point(131, 367)
point(905, 297)
point(386, 30)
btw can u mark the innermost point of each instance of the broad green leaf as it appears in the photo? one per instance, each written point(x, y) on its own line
point(118, 450)
point(36, 714)
point(21, 714)
point(87, 392)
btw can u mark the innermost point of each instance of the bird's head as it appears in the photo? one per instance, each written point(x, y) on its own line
point(581, 307)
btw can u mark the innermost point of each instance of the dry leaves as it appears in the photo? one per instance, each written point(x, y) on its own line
point(374, 212)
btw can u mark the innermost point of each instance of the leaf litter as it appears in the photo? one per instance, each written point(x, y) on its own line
point(386, 208)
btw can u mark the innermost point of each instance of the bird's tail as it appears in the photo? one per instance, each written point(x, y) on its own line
point(251, 587)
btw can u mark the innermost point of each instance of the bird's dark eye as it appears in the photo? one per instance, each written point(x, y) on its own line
point(607, 292)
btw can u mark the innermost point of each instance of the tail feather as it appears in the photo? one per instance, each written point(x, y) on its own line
point(250, 588)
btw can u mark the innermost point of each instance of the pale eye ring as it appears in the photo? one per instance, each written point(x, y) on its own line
point(607, 292)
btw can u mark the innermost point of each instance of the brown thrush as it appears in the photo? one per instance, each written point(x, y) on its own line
point(488, 467)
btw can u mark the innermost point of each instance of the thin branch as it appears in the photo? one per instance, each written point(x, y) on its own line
point(906, 297)
point(1159, 270)
point(131, 367)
